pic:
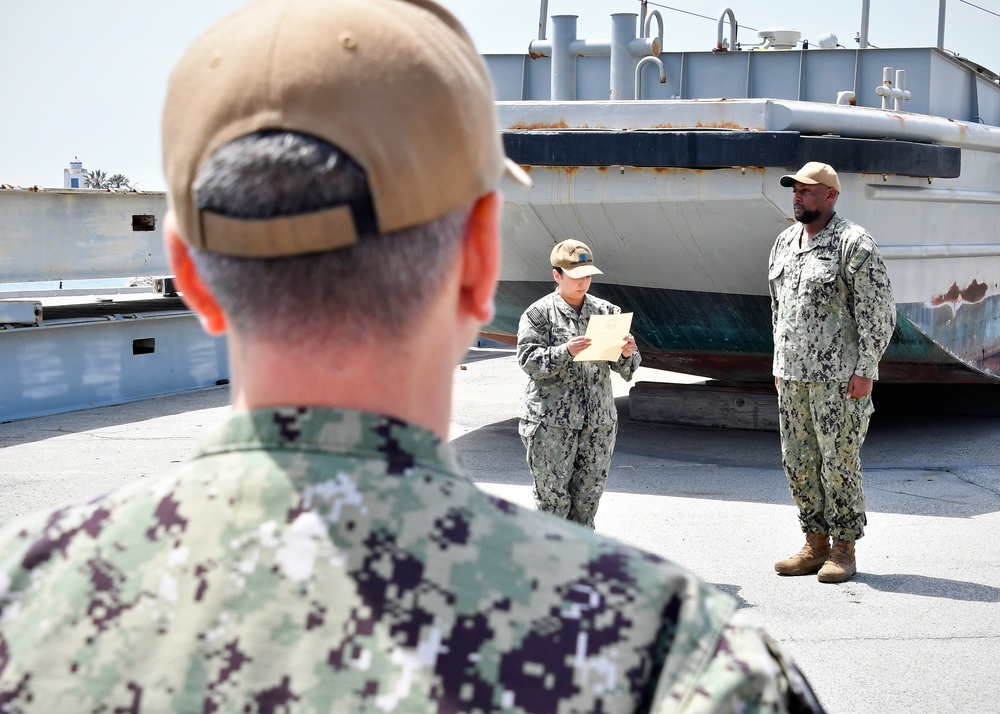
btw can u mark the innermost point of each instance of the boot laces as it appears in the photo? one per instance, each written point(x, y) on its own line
point(840, 555)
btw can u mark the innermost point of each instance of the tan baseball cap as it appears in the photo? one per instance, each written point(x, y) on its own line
point(396, 84)
point(574, 258)
point(812, 173)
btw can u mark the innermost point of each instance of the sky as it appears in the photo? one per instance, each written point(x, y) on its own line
point(87, 79)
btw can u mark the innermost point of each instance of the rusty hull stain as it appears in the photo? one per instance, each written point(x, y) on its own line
point(975, 292)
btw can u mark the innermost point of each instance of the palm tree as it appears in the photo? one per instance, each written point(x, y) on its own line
point(119, 182)
point(96, 179)
point(99, 179)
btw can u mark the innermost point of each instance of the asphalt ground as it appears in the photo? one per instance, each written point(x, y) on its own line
point(916, 630)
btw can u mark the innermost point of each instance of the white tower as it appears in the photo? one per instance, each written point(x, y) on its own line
point(75, 176)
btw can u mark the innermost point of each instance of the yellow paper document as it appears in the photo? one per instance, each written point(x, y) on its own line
point(607, 335)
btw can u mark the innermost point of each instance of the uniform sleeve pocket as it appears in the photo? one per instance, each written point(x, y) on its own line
point(773, 271)
point(526, 429)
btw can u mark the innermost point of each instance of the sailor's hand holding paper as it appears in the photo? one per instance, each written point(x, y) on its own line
point(609, 338)
point(578, 344)
point(629, 347)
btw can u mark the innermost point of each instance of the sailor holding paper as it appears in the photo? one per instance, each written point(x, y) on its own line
point(568, 419)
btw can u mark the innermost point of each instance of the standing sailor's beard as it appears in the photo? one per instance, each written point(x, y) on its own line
point(804, 216)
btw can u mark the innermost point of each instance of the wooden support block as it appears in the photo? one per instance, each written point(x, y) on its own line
point(715, 404)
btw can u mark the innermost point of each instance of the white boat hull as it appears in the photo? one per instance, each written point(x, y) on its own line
point(679, 200)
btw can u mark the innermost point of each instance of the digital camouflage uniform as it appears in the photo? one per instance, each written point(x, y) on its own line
point(832, 313)
point(568, 416)
point(321, 560)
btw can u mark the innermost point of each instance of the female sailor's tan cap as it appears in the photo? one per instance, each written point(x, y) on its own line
point(574, 258)
point(396, 84)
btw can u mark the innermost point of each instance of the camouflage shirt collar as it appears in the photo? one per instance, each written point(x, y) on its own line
point(334, 431)
point(586, 310)
point(829, 236)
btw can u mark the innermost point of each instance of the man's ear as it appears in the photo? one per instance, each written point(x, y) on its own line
point(194, 292)
point(481, 257)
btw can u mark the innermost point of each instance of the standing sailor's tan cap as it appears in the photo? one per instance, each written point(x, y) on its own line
point(813, 173)
point(395, 84)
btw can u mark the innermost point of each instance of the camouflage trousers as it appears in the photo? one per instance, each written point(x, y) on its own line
point(569, 466)
point(821, 436)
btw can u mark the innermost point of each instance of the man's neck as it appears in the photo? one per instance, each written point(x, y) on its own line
point(397, 378)
point(814, 228)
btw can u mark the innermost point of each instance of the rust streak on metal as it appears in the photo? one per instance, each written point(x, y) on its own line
point(702, 125)
point(678, 170)
point(721, 125)
point(683, 170)
point(950, 296)
point(561, 124)
point(975, 292)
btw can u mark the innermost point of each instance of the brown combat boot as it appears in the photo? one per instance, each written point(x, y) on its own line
point(841, 565)
point(808, 560)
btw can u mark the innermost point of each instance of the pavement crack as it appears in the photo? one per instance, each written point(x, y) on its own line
point(953, 638)
point(995, 490)
point(917, 495)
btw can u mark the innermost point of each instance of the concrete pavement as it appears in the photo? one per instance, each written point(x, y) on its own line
point(918, 629)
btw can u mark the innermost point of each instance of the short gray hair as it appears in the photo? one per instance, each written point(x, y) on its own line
point(379, 285)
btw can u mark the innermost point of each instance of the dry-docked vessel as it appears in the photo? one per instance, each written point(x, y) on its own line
point(667, 165)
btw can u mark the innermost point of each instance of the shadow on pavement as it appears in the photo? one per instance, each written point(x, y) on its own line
point(27, 431)
point(478, 354)
point(930, 587)
point(733, 591)
point(919, 465)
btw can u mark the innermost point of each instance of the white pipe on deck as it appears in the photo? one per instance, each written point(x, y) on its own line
point(732, 30)
point(866, 7)
point(941, 12)
point(657, 47)
point(870, 123)
point(638, 73)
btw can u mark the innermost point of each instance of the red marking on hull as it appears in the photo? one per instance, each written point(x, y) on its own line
point(975, 292)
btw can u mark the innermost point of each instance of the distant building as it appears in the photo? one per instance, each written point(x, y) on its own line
point(75, 176)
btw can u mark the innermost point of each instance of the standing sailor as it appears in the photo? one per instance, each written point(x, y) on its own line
point(832, 313)
point(568, 417)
